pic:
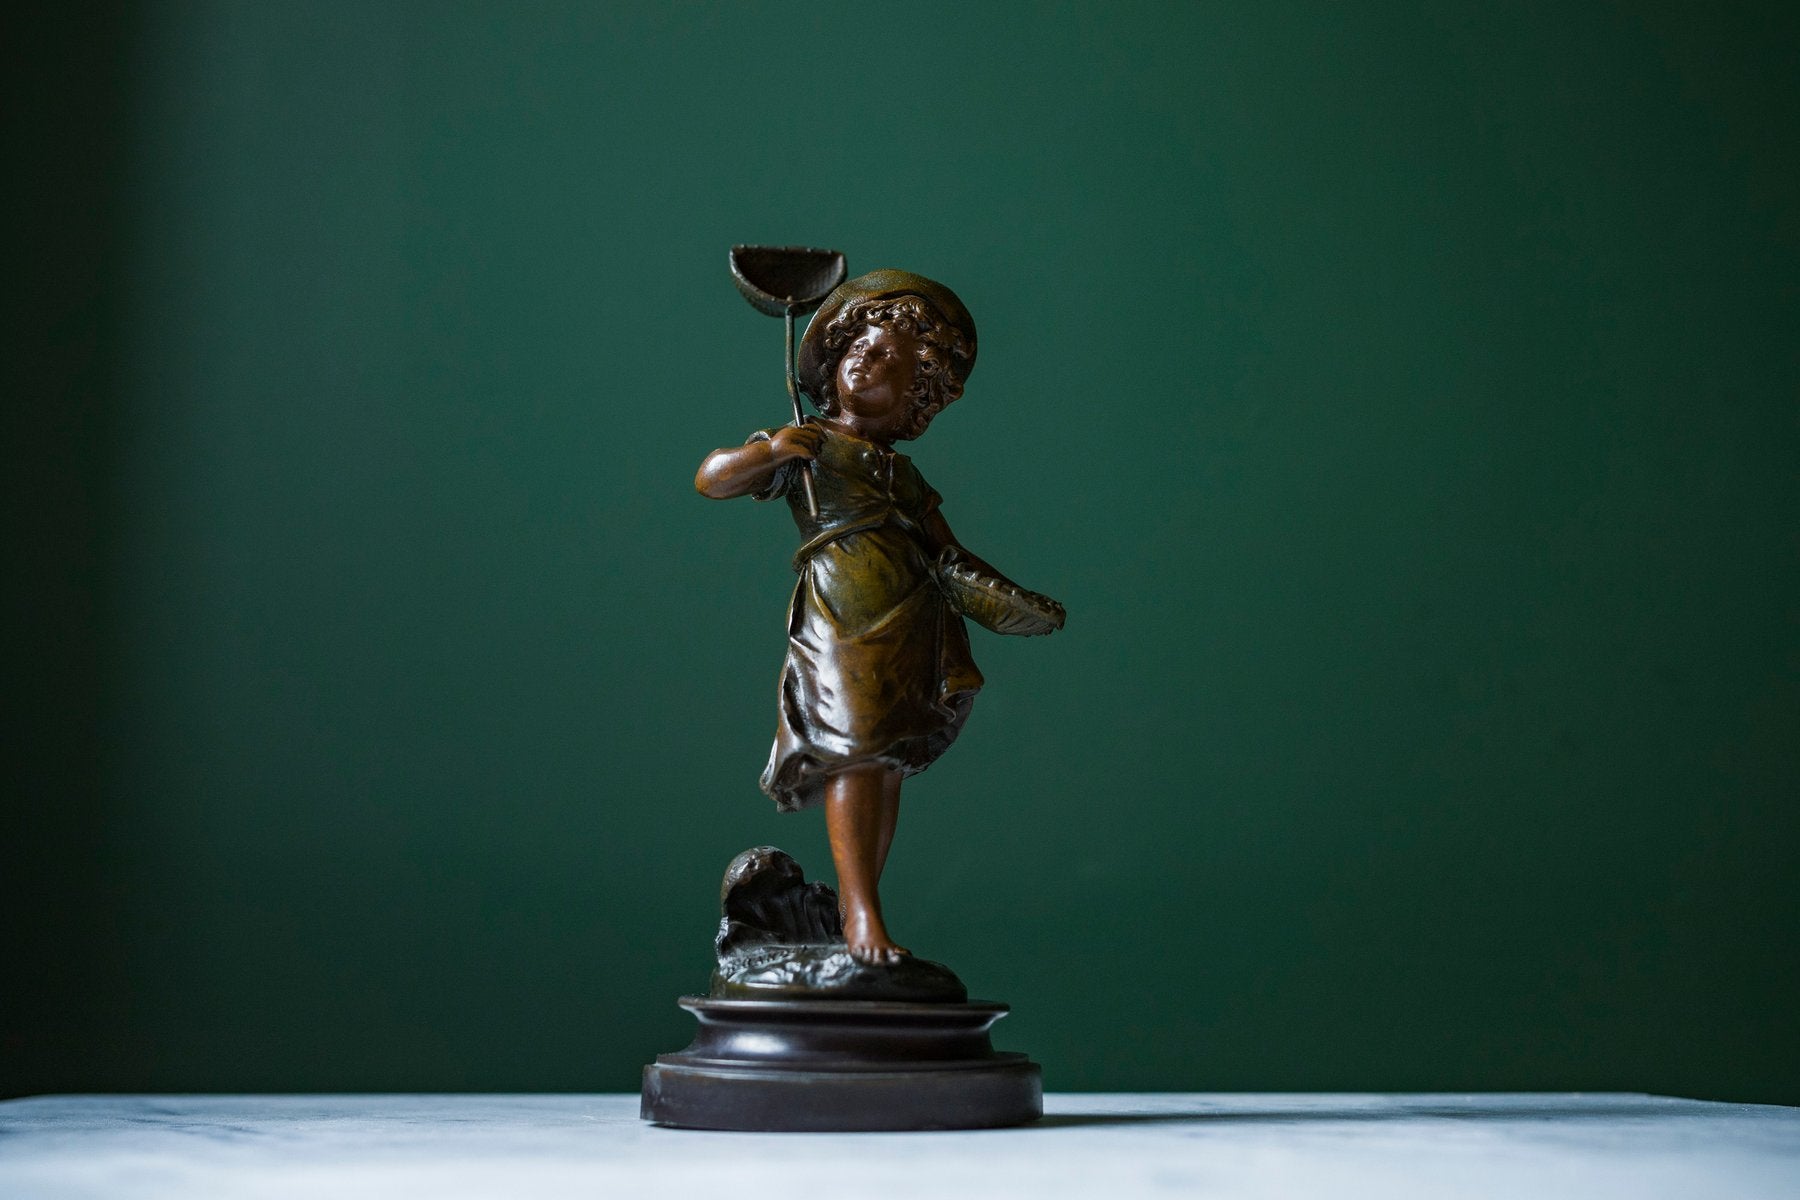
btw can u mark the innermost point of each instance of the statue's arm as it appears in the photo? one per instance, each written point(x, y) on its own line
point(939, 538)
point(942, 543)
point(741, 470)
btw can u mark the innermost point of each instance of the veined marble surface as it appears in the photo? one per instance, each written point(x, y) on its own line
point(1112, 1146)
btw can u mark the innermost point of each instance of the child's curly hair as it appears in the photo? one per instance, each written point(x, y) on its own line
point(939, 380)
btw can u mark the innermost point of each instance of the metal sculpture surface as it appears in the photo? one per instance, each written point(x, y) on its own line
point(879, 677)
point(816, 1018)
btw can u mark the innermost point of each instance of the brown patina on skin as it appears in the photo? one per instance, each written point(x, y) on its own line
point(875, 379)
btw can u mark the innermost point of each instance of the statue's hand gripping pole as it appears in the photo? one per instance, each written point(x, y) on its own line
point(788, 281)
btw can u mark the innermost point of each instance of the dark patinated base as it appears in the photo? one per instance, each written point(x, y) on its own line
point(841, 1065)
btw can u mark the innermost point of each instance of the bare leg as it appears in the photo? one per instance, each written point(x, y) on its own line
point(856, 808)
point(890, 817)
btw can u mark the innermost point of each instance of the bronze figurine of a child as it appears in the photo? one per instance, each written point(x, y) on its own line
point(878, 679)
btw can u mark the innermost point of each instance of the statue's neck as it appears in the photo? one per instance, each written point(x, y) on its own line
point(859, 429)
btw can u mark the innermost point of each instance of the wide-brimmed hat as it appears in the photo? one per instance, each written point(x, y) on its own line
point(880, 285)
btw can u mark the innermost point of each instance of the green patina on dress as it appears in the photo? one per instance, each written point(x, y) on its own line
point(878, 666)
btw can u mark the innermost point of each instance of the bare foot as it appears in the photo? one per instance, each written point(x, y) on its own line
point(869, 943)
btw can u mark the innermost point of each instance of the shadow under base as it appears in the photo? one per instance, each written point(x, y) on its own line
point(841, 1065)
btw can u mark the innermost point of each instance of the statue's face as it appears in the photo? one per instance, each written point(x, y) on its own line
point(876, 374)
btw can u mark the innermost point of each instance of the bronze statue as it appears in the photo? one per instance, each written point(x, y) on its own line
point(879, 678)
point(815, 1019)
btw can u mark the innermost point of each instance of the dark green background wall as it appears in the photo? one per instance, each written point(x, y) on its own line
point(1401, 397)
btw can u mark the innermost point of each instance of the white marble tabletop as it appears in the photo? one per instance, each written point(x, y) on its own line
point(1113, 1146)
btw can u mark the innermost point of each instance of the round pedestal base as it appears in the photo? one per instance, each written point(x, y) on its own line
point(843, 1065)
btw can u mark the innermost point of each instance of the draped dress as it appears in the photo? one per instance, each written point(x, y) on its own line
point(878, 668)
